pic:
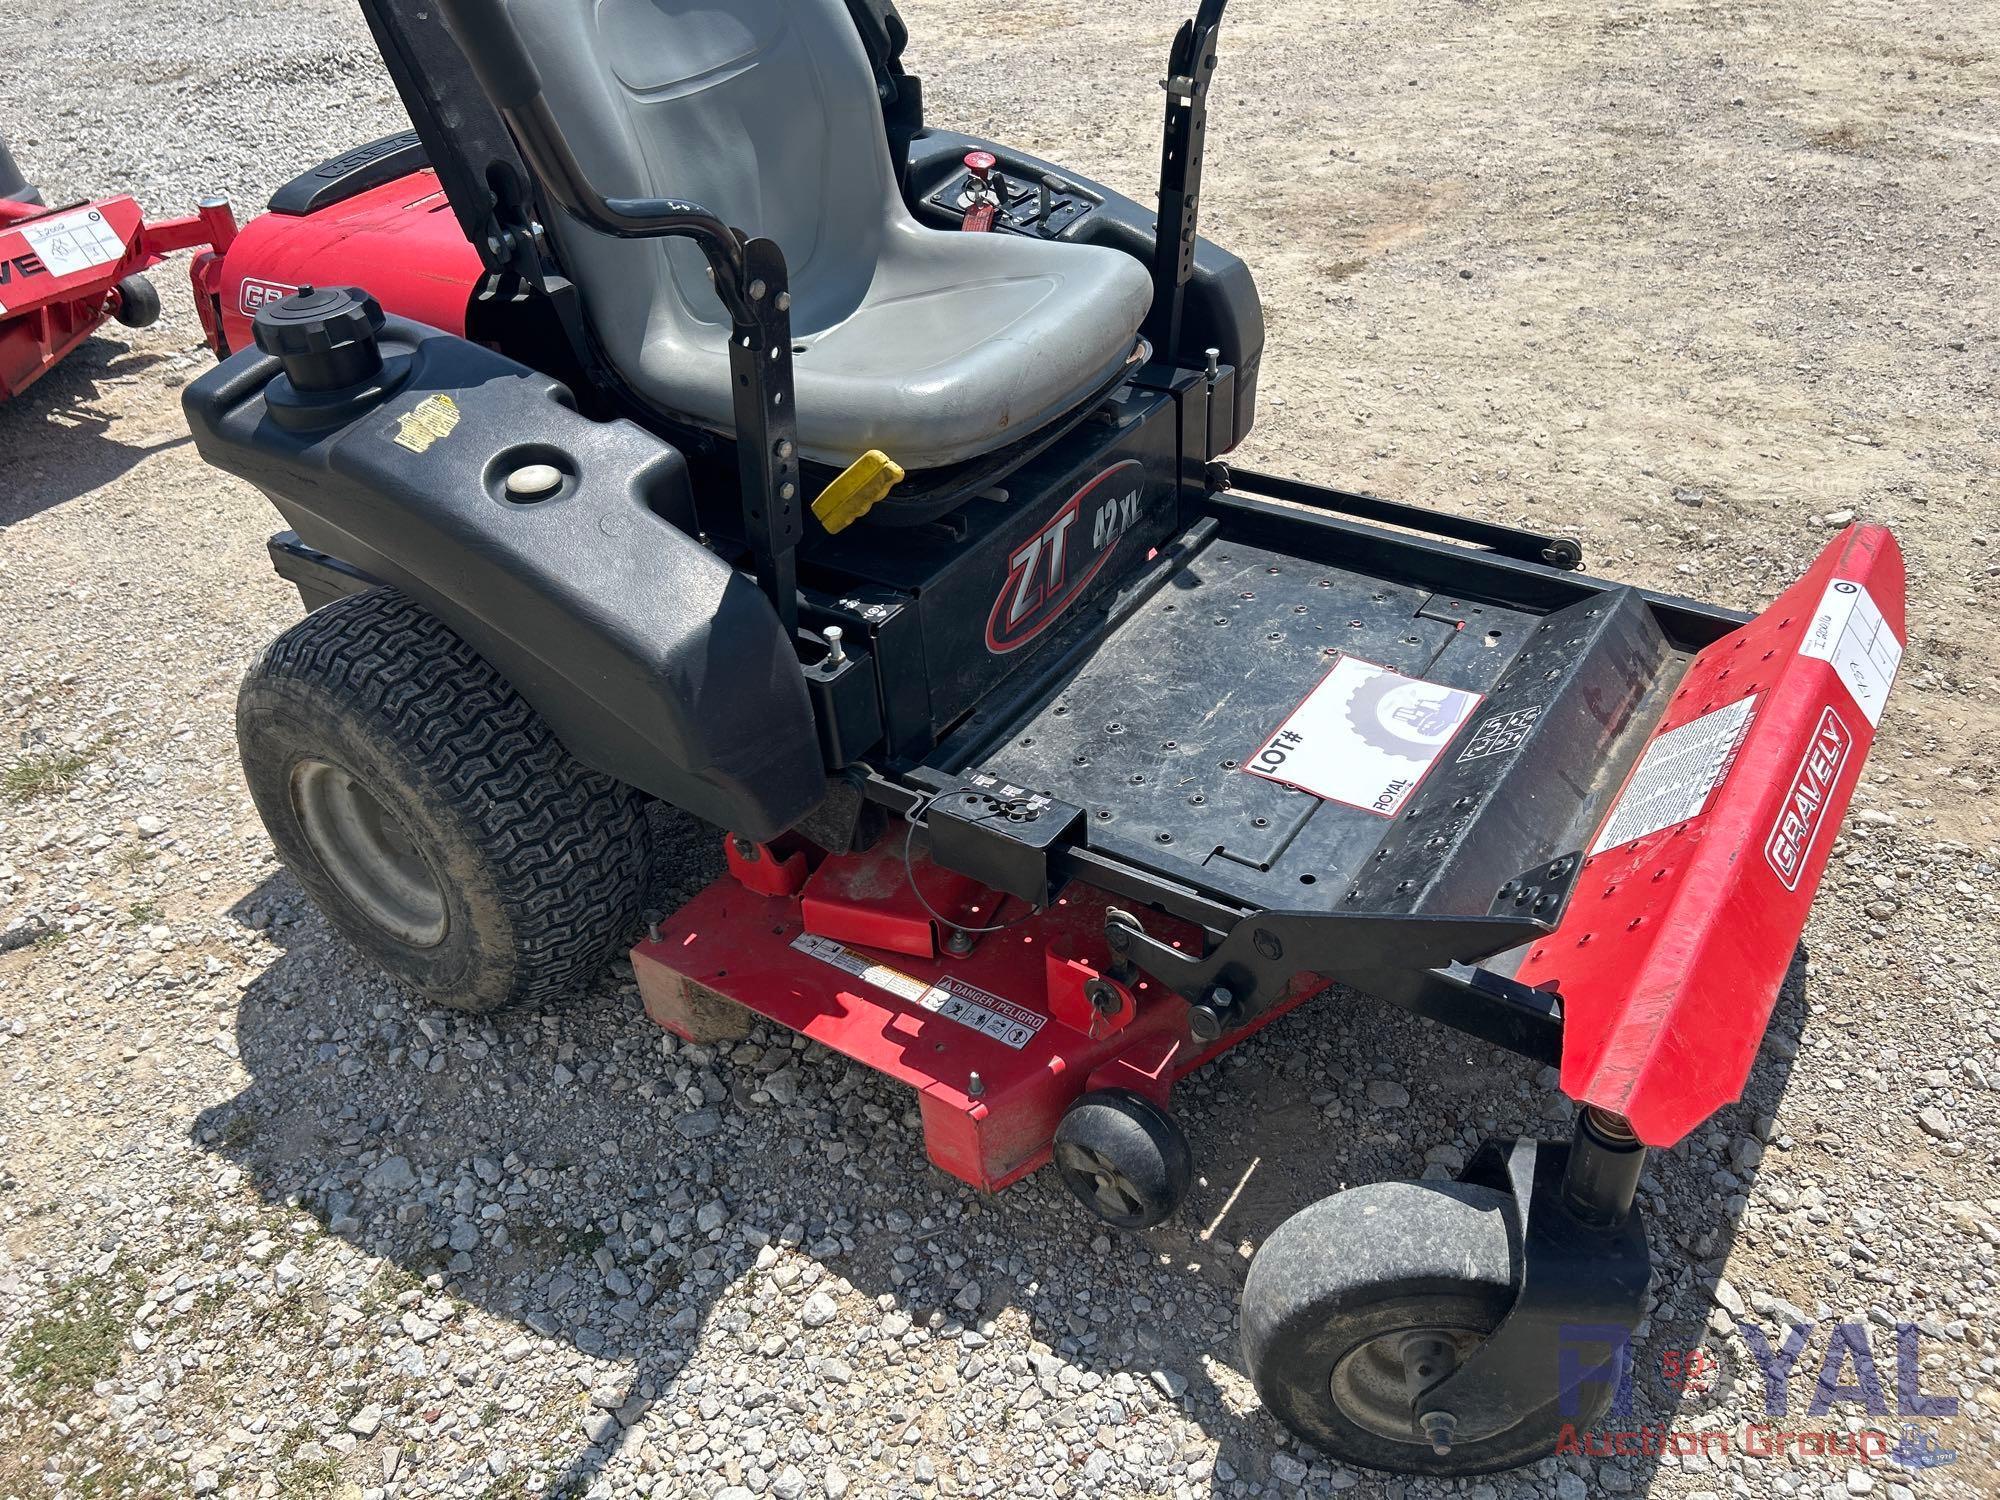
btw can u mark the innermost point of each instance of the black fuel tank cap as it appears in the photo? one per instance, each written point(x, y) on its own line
point(325, 337)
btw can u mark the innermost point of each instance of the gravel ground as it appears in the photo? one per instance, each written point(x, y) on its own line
point(1695, 281)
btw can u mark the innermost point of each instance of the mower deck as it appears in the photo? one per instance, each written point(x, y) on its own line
point(996, 1041)
point(63, 271)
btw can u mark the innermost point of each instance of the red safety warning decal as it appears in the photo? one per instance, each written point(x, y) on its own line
point(1365, 736)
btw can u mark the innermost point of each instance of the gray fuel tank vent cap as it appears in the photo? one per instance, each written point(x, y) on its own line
point(533, 482)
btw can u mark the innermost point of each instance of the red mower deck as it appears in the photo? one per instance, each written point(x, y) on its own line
point(997, 1041)
point(63, 271)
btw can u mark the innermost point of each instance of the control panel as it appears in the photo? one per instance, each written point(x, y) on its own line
point(985, 197)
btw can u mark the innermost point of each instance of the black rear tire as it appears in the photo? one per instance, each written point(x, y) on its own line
point(461, 847)
point(1339, 1284)
point(138, 303)
point(1123, 1157)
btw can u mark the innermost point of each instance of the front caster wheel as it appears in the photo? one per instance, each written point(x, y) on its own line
point(1356, 1298)
point(1124, 1158)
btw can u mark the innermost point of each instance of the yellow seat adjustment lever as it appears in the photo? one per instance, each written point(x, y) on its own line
point(854, 493)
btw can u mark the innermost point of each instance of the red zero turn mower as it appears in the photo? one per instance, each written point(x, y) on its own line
point(63, 271)
point(889, 531)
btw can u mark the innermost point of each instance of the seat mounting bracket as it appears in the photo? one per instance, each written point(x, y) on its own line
point(1189, 71)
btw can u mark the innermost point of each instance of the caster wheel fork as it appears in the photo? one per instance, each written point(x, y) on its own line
point(1449, 1328)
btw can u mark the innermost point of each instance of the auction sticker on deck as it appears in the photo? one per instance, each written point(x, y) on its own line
point(1848, 631)
point(991, 1015)
point(73, 242)
point(1364, 737)
point(1676, 775)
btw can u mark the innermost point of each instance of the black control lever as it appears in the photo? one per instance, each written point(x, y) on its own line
point(750, 278)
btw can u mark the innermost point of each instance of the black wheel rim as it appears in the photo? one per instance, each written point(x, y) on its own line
point(1095, 1178)
point(1371, 1388)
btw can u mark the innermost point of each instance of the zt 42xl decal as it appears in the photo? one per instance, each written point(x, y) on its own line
point(1047, 572)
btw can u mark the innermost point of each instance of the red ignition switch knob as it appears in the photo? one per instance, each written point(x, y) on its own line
point(980, 163)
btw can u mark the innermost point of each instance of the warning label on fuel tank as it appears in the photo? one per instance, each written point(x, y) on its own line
point(1365, 736)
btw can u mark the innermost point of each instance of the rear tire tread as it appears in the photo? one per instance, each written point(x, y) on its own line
point(567, 846)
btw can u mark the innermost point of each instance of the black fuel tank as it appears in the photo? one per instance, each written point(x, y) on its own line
point(652, 659)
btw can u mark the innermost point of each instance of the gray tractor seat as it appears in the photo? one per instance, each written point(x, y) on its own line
point(932, 345)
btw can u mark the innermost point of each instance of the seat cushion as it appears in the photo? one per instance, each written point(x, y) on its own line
point(933, 346)
point(962, 343)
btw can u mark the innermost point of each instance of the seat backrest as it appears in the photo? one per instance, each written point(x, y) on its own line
point(764, 111)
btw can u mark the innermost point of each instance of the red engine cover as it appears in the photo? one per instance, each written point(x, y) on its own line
point(398, 242)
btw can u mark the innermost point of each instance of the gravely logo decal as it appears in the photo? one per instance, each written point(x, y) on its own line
point(1047, 572)
point(255, 292)
point(21, 266)
point(1804, 807)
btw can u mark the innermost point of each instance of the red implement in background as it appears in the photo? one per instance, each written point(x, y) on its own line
point(63, 271)
point(1678, 936)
